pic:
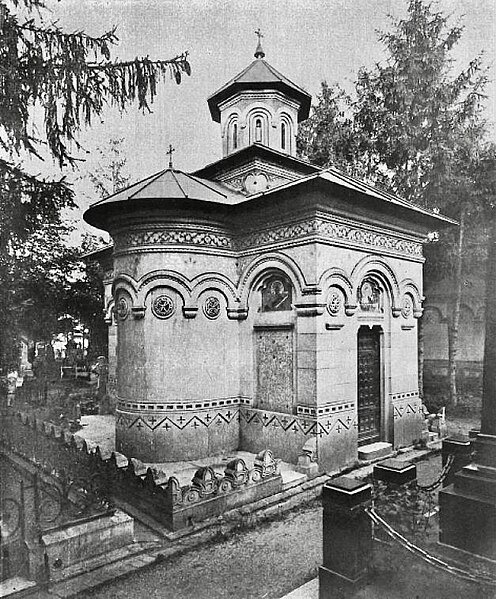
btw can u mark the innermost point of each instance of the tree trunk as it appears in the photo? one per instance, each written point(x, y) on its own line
point(455, 316)
point(488, 417)
point(421, 357)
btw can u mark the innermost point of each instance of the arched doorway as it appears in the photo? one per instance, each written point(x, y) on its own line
point(369, 385)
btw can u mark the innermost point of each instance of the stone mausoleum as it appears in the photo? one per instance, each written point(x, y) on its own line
point(262, 302)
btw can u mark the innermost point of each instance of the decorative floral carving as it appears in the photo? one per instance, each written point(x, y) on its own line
point(237, 472)
point(211, 307)
point(406, 306)
point(265, 464)
point(205, 481)
point(334, 302)
point(163, 306)
point(122, 308)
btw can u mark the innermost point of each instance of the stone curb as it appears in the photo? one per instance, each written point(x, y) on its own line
point(183, 541)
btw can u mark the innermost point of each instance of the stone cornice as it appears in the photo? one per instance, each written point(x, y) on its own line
point(316, 228)
point(260, 95)
point(333, 230)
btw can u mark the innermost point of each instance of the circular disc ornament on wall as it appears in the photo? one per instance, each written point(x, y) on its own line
point(163, 306)
point(255, 182)
point(334, 302)
point(211, 307)
point(122, 308)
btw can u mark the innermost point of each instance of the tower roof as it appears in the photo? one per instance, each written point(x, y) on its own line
point(260, 75)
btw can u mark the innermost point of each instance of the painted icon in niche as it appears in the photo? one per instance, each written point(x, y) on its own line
point(369, 296)
point(406, 307)
point(276, 295)
point(211, 307)
point(163, 306)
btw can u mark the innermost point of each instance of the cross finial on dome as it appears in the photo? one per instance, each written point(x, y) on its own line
point(259, 53)
point(169, 153)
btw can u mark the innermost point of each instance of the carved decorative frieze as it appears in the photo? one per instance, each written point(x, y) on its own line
point(172, 236)
point(181, 406)
point(406, 404)
point(331, 230)
point(324, 424)
point(323, 409)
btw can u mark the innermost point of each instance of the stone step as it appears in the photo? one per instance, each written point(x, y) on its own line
point(16, 587)
point(473, 480)
point(374, 451)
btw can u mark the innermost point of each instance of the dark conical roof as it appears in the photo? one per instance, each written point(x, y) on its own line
point(260, 75)
point(168, 184)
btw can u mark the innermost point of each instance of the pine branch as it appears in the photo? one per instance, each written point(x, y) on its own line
point(72, 78)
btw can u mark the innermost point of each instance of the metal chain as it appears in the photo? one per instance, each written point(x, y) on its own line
point(442, 476)
point(427, 557)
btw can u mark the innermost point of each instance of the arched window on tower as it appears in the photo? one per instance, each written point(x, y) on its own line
point(258, 130)
point(258, 126)
point(235, 136)
point(283, 136)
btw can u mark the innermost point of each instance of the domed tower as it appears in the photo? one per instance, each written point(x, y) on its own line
point(259, 105)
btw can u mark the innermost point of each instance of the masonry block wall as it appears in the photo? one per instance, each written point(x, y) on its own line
point(207, 364)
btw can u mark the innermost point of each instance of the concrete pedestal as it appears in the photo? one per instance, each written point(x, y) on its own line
point(461, 449)
point(347, 536)
point(395, 472)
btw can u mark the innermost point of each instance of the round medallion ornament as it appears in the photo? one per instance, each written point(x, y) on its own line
point(406, 307)
point(163, 306)
point(255, 182)
point(334, 303)
point(211, 308)
point(122, 308)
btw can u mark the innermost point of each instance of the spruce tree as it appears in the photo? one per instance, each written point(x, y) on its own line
point(69, 79)
point(415, 127)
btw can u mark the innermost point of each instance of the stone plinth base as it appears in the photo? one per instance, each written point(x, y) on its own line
point(395, 472)
point(374, 451)
point(67, 546)
point(333, 585)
